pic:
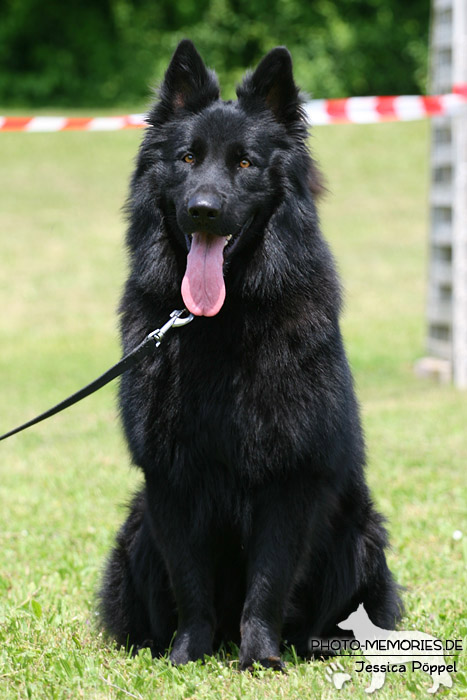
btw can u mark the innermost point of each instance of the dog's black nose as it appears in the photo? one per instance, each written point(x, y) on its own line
point(204, 208)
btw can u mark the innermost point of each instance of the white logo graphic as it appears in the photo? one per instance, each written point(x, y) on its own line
point(336, 674)
point(393, 651)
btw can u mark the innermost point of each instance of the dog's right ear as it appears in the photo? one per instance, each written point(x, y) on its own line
point(272, 84)
point(187, 85)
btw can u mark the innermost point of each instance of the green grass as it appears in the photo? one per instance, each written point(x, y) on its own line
point(63, 484)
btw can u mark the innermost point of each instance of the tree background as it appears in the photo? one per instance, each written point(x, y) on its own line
point(111, 52)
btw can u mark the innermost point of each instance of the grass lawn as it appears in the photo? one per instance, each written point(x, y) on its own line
point(64, 484)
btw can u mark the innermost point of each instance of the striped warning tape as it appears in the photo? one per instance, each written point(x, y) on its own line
point(367, 110)
point(129, 121)
point(353, 110)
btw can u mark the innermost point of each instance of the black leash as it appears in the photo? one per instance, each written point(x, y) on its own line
point(152, 341)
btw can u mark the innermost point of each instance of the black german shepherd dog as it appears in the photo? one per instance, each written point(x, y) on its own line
point(255, 524)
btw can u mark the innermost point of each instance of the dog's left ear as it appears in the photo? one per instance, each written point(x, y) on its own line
point(272, 83)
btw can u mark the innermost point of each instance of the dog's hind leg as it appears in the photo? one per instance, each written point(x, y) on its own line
point(380, 596)
point(135, 602)
point(379, 592)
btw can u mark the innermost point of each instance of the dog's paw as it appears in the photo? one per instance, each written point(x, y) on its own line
point(179, 657)
point(273, 662)
point(336, 675)
point(192, 643)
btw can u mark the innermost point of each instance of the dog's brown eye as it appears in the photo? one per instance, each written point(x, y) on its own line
point(189, 158)
point(245, 163)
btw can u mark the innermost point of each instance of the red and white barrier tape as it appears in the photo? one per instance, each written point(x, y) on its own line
point(367, 110)
point(352, 110)
point(129, 121)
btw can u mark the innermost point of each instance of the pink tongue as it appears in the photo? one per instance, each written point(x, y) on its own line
point(203, 288)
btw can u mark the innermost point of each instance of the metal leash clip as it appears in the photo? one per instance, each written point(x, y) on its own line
point(176, 320)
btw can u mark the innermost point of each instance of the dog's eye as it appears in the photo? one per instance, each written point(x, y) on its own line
point(245, 163)
point(189, 158)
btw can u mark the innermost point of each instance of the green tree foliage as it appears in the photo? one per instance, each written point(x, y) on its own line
point(103, 52)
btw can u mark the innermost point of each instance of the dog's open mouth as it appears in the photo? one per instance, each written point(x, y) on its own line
point(203, 287)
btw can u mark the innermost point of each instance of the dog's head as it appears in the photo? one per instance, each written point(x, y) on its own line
point(355, 620)
point(219, 169)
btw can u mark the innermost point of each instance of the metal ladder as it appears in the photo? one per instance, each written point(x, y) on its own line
point(447, 276)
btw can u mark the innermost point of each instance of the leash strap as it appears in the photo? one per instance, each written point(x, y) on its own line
point(152, 341)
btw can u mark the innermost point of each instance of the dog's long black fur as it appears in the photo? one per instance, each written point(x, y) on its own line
point(255, 523)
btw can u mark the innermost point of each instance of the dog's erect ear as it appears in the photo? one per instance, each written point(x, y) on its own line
point(272, 82)
point(187, 84)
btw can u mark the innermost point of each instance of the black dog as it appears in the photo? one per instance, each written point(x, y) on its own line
point(255, 523)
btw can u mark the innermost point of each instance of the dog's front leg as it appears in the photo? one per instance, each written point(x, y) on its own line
point(191, 578)
point(275, 548)
point(187, 554)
